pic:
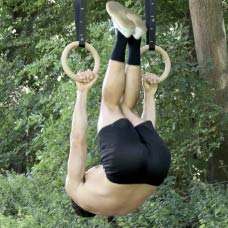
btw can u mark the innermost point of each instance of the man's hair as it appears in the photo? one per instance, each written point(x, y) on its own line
point(81, 212)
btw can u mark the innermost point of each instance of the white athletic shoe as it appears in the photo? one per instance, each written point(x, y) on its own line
point(118, 14)
point(140, 28)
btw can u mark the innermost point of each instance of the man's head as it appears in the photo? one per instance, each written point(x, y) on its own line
point(81, 212)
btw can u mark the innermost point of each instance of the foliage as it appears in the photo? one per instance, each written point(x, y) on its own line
point(205, 206)
point(30, 52)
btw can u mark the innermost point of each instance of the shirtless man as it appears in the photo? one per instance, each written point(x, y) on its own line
point(134, 158)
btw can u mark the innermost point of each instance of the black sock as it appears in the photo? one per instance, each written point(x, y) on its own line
point(134, 51)
point(118, 52)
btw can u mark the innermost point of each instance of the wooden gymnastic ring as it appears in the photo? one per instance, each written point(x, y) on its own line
point(165, 58)
point(65, 54)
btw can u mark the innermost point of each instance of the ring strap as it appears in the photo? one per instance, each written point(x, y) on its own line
point(80, 21)
point(150, 8)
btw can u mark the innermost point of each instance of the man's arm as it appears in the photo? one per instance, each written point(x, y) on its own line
point(77, 157)
point(149, 108)
point(78, 148)
point(150, 83)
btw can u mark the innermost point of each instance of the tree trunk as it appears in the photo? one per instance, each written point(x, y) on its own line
point(211, 49)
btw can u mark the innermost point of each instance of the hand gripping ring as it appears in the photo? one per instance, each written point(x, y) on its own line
point(165, 57)
point(65, 54)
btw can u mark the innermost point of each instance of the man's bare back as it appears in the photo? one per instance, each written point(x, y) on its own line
point(102, 197)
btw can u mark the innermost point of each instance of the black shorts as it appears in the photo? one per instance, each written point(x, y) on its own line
point(133, 155)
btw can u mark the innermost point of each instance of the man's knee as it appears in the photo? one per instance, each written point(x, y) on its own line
point(128, 104)
point(110, 96)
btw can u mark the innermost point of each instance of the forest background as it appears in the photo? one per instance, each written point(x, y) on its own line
point(37, 100)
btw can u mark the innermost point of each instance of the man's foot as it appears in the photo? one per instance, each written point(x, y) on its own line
point(140, 28)
point(118, 14)
point(127, 22)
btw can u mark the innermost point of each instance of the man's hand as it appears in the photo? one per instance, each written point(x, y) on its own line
point(150, 83)
point(88, 79)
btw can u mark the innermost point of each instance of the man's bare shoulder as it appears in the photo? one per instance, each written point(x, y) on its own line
point(90, 186)
point(71, 187)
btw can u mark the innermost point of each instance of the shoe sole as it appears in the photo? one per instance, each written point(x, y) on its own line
point(118, 14)
point(140, 28)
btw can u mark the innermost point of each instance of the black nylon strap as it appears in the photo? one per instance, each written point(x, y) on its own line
point(80, 21)
point(150, 8)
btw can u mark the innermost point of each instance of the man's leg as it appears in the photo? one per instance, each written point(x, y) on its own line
point(133, 82)
point(133, 74)
point(113, 85)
